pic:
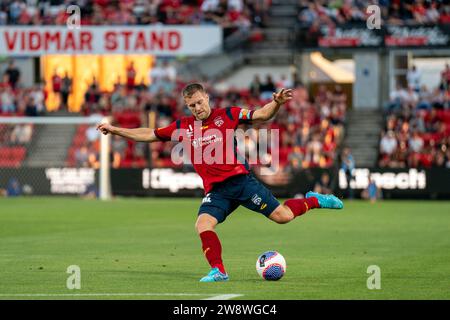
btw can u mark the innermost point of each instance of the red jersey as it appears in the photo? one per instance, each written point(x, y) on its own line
point(211, 143)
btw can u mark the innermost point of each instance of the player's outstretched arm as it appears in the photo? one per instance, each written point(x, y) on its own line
point(138, 134)
point(269, 110)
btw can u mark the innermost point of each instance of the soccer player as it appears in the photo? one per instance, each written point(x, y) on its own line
point(227, 184)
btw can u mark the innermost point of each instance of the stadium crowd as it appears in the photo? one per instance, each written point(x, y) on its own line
point(313, 14)
point(230, 14)
point(417, 125)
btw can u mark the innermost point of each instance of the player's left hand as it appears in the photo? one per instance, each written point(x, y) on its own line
point(283, 96)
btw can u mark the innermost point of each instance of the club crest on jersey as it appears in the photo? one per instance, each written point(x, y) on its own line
point(218, 121)
point(256, 199)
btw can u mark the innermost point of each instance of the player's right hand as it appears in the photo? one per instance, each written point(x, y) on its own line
point(105, 128)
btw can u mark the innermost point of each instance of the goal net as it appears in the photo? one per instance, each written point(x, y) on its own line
point(54, 156)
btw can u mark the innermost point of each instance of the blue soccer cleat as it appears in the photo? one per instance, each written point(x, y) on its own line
point(214, 275)
point(328, 201)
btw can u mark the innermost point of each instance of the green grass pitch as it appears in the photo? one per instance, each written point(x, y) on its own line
point(137, 248)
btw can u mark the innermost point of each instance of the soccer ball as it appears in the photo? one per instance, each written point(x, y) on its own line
point(271, 265)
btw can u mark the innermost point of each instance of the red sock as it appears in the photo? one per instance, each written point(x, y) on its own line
point(212, 249)
point(300, 206)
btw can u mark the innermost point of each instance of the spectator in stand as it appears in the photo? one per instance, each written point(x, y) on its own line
point(388, 143)
point(7, 100)
point(119, 99)
point(400, 157)
point(92, 134)
point(91, 99)
point(267, 88)
point(57, 84)
point(323, 185)
point(5, 81)
point(445, 78)
point(21, 134)
point(348, 166)
point(411, 99)
point(439, 160)
point(142, 87)
point(255, 86)
point(162, 76)
point(13, 189)
point(425, 98)
point(37, 95)
point(313, 154)
point(30, 107)
point(338, 95)
point(432, 13)
point(82, 157)
point(284, 82)
point(13, 74)
point(131, 76)
point(3, 17)
point(307, 13)
point(118, 148)
point(397, 98)
point(372, 192)
point(93, 158)
point(66, 90)
point(295, 159)
point(416, 143)
point(445, 13)
point(413, 78)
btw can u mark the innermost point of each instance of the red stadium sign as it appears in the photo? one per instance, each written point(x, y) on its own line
point(167, 40)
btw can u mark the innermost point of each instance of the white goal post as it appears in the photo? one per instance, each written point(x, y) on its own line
point(22, 137)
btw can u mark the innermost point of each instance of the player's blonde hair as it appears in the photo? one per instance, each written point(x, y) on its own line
point(192, 88)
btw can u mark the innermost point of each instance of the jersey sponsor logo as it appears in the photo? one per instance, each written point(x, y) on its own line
point(256, 199)
point(207, 198)
point(204, 141)
point(218, 121)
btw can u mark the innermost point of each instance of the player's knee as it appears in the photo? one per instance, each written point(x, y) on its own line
point(282, 216)
point(205, 223)
point(200, 226)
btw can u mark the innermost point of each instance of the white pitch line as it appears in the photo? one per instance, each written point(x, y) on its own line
point(224, 297)
point(212, 296)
